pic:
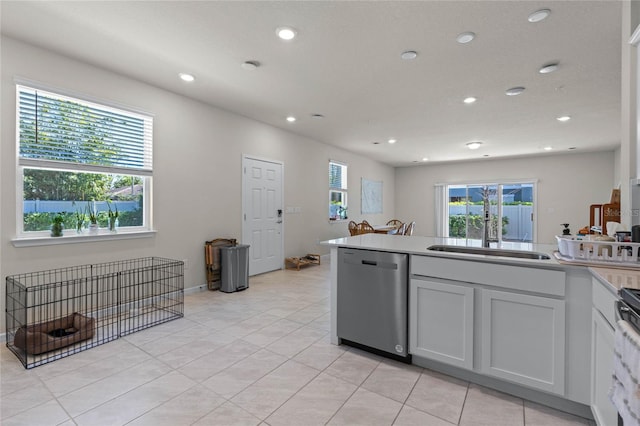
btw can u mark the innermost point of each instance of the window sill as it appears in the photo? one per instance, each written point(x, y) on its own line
point(80, 238)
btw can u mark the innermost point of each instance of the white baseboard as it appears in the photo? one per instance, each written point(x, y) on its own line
point(195, 289)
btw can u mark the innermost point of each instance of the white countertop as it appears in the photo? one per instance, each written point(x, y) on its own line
point(617, 278)
point(418, 245)
point(614, 277)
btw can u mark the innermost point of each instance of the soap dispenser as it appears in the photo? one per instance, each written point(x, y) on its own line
point(566, 230)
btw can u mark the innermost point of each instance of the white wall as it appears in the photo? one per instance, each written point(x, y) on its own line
point(617, 167)
point(567, 186)
point(629, 134)
point(197, 171)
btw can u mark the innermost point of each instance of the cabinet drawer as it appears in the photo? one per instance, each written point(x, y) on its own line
point(530, 279)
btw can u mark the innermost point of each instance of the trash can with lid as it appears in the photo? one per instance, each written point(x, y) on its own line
point(234, 268)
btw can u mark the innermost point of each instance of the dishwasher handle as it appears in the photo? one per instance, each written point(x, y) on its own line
point(369, 261)
point(378, 264)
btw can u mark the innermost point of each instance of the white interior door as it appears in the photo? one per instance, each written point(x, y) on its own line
point(262, 214)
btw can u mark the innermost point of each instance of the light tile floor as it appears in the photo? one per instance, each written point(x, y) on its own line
point(258, 357)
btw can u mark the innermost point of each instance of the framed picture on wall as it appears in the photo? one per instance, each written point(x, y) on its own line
point(371, 196)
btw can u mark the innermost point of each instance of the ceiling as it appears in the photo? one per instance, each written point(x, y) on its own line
point(345, 65)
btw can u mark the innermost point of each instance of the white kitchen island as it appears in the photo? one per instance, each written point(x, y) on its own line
point(522, 326)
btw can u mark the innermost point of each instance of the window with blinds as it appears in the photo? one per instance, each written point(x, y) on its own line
point(82, 160)
point(337, 191)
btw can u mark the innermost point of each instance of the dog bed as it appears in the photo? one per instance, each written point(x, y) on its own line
point(55, 334)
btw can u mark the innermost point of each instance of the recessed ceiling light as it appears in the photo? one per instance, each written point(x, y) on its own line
point(291, 119)
point(409, 55)
point(425, 159)
point(286, 33)
point(186, 77)
point(514, 91)
point(250, 65)
point(465, 37)
point(392, 141)
point(474, 145)
point(548, 68)
point(572, 147)
point(563, 118)
point(318, 116)
point(375, 143)
point(548, 148)
point(469, 100)
point(539, 15)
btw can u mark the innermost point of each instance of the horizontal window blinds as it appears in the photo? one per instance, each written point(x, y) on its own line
point(54, 128)
point(337, 176)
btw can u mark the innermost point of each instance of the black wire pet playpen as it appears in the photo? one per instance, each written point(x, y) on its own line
point(56, 313)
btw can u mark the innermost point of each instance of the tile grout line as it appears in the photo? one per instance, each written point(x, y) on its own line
point(464, 402)
point(298, 391)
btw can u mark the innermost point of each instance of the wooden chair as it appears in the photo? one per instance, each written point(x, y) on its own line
point(409, 228)
point(364, 228)
point(352, 227)
point(212, 259)
point(402, 229)
point(406, 229)
point(398, 224)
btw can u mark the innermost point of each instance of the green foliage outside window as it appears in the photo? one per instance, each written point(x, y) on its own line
point(479, 203)
point(42, 221)
point(458, 225)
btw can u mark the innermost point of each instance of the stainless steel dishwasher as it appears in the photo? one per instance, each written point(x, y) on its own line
point(372, 300)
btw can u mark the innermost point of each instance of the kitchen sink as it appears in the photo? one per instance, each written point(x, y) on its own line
point(490, 252)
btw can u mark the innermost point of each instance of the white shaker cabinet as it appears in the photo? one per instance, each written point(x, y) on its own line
point(498, 320)
point(443, 313)
point(523, 338)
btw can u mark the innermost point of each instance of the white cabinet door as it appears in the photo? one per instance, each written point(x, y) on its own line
point(523, 339)
point(441, 322)
point(603, 343)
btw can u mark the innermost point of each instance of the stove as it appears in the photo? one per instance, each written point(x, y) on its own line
point(629, 308)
